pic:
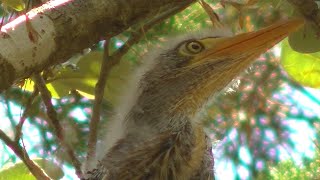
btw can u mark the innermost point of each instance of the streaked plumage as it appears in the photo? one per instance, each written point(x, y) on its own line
point(160, 136)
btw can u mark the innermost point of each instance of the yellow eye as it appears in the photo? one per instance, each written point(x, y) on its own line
point(194, 47)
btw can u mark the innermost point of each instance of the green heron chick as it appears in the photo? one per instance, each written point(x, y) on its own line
point(159, 135)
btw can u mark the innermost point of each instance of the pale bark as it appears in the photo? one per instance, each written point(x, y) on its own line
point(64, 28)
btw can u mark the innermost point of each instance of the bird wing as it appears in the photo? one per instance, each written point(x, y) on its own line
point(168, 156)
point(149, 160)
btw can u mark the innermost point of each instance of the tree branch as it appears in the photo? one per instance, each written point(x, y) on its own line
point(55, 123)
point(28, 105)
point(108, 62)
point(23, 155)
point(99, 90)
point(65, 28)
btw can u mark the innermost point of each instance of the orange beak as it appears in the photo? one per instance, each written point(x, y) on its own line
point(224, 58)
point(246, 46)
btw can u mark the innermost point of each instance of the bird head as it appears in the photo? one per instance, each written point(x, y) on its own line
point(176, 85)
point(184, 77)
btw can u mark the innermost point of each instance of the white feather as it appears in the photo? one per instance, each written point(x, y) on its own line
point(116, 128)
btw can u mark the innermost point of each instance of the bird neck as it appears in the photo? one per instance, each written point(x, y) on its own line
point(154, 111)
point(157, 107)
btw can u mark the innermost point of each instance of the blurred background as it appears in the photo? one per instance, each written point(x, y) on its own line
point(264, 126)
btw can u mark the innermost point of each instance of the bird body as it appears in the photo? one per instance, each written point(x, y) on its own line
point(158, 134)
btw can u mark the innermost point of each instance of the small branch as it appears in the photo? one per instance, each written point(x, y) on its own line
point(9, 113)
point(99, 90)
point(108, 62)
point(55, 123)
point(23, 155)
point(28, 105)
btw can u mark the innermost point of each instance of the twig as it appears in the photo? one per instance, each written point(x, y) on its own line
point(9, 113)
point(55, 123)
point(99, 90)
point(28, 105)
point(107, 63)
point(214, 17)
point(23, 155)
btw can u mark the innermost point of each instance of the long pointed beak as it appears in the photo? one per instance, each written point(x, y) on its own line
point(224, 58)
point(247, 46)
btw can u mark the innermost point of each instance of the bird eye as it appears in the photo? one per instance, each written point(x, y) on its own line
point(194, 47)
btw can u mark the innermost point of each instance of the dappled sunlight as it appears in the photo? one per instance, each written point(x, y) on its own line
point(32, 13)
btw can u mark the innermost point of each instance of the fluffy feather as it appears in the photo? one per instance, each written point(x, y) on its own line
point(118, 127)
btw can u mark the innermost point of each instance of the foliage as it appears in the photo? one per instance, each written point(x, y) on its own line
point(252, 116)
point(289, 170)
point(17, 5)
point(304, 68)
point(20, 171)
point(83, 77)
point(305, 40)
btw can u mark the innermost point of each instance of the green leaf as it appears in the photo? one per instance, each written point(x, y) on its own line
point(303, 68)
point(17, 171)
point(85, 77)
point(21, 172)
point(17, 5)
point(305, 40)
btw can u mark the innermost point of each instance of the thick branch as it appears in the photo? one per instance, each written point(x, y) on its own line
point(65, 28)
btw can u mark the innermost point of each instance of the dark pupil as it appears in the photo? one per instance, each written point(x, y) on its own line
point(195, 46)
